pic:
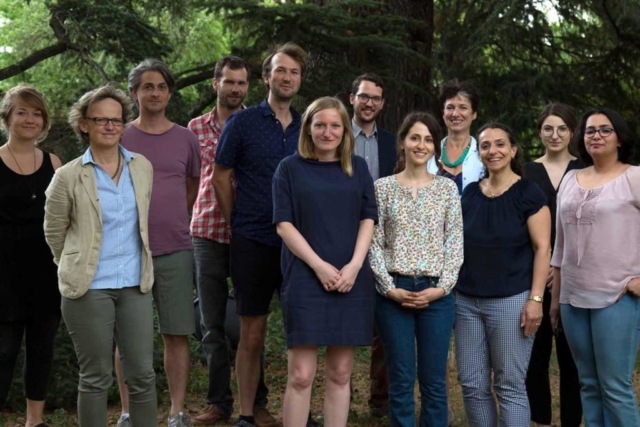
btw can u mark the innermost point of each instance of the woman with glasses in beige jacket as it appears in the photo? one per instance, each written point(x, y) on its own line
point(96, 226)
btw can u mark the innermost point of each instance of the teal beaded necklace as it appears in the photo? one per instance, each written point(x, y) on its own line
point(448, 163)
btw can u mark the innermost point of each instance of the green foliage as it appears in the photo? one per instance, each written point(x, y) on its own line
point(521, 54)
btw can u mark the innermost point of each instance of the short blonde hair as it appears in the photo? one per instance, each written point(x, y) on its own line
point(346, 147)
point(79, 110)
point(29, 96)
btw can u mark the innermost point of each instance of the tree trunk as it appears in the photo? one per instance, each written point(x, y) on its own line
point(414, 88)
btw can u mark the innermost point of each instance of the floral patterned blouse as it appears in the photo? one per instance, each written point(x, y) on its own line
point(417, 237)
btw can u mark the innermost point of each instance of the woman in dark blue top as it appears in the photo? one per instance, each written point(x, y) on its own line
point(324, 210)
point(556, 126)
point(501, 283)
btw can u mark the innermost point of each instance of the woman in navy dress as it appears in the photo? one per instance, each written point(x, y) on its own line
point(324, 210)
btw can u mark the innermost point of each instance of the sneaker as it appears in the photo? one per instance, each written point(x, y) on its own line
point(178, 420)
point(124, 421)
point(242, 423)
point(262, 418)
point(210, 416)
point(313, 423)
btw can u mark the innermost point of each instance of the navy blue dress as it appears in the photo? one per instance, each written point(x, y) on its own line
point(326, 207)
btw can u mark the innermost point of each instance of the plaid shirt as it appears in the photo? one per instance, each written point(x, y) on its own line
point(207, 221)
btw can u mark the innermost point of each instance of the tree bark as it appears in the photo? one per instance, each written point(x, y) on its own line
point(33, 59)
point(414, 90)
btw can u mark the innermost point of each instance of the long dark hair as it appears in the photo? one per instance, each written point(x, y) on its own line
point(516, 161)
point(411, 119)
point(625, 137)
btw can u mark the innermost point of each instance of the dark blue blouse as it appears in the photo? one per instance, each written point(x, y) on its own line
point(498, 256)
point(455, 178)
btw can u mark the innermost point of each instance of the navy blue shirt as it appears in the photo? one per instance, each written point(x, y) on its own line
point(498, 256)
point(253, 143)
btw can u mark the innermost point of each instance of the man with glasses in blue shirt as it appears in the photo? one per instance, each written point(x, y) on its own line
point(378, 147)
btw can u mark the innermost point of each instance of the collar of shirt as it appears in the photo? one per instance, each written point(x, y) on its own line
point(211, 118)
point(87, 157)
point(357, 130)
point(267, 111)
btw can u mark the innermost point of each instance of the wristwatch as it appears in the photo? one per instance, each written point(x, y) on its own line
point(535, 298)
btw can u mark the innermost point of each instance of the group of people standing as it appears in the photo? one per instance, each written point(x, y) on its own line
point(368, 238)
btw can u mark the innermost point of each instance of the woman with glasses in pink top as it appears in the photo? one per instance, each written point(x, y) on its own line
point(596, 263)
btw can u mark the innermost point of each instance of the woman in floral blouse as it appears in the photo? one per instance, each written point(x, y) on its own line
point(415, 256)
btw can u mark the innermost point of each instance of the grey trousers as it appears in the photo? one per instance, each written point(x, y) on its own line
point(94, 320)
point(489, 340)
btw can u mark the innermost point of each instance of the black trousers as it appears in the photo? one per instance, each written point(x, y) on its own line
point(40, 335)
point(538, 386)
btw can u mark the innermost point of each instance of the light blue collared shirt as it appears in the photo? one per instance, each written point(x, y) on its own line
point(119, 264)
point(367, 148)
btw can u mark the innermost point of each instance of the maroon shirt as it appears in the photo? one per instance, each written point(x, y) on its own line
point(175, 156)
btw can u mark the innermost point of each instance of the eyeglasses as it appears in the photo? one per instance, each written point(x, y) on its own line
point(561, 130)
point(604, 132)
point(102, 121)
point(364, 98)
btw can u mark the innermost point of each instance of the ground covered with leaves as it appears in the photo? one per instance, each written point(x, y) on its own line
point(275, 378)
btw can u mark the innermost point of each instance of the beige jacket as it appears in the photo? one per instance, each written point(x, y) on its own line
point(73, 223)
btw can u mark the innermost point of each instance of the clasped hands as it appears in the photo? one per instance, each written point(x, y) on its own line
point(333, 279)
point(415, 300)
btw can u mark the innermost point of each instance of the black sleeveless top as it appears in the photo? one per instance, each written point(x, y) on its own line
point(536, 172)
point(28, 276)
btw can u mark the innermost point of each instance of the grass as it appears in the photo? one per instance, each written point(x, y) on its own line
point(276, 373)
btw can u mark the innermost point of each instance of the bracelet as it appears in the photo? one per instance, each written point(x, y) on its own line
point(535, 298)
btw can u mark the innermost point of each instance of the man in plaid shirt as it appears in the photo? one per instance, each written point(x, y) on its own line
point(210, 235)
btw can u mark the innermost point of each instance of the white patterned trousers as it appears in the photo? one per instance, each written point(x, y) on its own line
point(489, 340)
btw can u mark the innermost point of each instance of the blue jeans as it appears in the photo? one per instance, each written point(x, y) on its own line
point(400, 330)
point(604, 343)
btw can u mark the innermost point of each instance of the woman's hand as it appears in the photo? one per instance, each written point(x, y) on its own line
point(423, 298)
point(550, 278)
point(633, 287)
point(399, 295)
point(347, 279)
point(531, 317)
point(328, 275)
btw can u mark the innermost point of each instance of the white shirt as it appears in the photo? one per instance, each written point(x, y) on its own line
point(472, 167)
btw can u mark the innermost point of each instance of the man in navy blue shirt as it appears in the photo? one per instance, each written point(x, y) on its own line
point(252, 144)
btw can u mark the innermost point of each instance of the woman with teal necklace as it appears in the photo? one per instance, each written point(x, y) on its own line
point(459, 160)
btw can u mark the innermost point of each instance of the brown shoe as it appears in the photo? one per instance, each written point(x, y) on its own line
point(262, 418)
point(210, 416)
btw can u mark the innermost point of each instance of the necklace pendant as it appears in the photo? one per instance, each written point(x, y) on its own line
point(33, 196)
